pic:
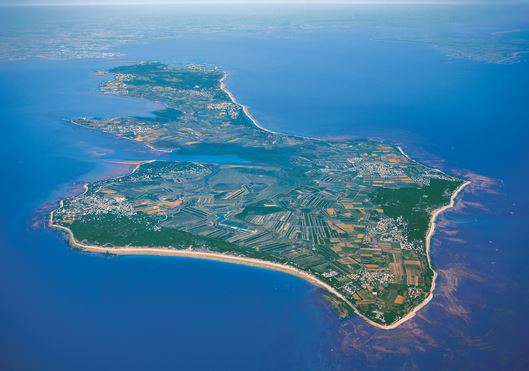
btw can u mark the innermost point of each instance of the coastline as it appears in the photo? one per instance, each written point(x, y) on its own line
point(234, 259)
point(429, 235)
point(228, 258)
point(71, 121)
point(243, 106)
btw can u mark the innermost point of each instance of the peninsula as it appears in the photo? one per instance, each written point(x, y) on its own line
point(352, 217)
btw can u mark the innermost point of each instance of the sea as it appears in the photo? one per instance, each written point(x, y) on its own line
point(449, 84)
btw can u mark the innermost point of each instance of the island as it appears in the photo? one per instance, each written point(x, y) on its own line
point(354, 217)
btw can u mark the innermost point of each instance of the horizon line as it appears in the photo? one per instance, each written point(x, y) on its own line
point(268, 2)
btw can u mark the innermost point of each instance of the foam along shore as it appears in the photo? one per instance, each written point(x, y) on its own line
point(228, 258)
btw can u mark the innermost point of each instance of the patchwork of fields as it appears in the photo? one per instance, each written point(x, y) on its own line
point(352, 214)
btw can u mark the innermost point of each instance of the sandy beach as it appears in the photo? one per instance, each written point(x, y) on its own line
point(244, 107)
point(163, 251)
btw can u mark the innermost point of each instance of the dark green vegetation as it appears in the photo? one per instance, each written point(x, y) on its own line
point(113, 230)
point(414, 204)
point(353, 214)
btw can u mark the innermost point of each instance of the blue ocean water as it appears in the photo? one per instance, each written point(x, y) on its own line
point(62, 309)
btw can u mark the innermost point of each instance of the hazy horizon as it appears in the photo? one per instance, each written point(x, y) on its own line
point(249, 2)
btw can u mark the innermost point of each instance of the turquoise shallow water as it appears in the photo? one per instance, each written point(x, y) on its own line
point(62, 309)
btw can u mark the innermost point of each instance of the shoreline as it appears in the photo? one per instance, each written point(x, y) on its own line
point(254, 121)
point(228, 258)
point(244, 107)
point(253, 262)
point(429, 235)
point(152, 148)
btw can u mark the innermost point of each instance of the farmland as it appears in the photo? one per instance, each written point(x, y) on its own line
point(353, 214)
